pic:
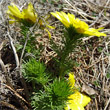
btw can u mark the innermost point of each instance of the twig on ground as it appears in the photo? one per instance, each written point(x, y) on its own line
point(3, 103)
point(108, 102)
point(19, 96)
point(99, 6)
point(81, 13)
point(99, 14)
point(96, 104)
point(14, 50)
point(75, 8)
point(97, 18)
point(22, 53)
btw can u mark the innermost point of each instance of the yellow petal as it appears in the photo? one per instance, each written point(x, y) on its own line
point(80, 26)
point(77, 101)
point(11, 16)
point(65, 16)
point(14, 11)
point(51, 27)
point(29, 13)
point(74, 106)
point(100, 28)
point(61, 16)
point(48, 33)
point(71, 17)
point(12, 21)
point(56, 15)
point(85, 100)
point(94, 32)
point(79, 98)
point(40, 22)
point(71, 80)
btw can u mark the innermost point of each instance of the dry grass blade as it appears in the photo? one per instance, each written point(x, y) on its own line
point(14, 50)
point(19, 96)
point(108, 102)
point(12, 107)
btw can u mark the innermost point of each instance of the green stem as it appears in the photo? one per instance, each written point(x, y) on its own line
point(65, 53)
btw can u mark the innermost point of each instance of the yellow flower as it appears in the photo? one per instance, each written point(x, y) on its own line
point(14, 13)
point(29, 13)
point(80, 26)
point(26, 14)
point(77, 101)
